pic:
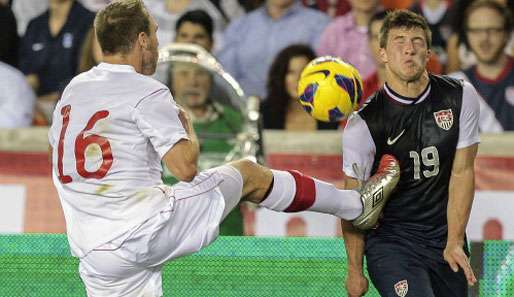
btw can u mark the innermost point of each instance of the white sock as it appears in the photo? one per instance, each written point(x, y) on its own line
point(293, 191)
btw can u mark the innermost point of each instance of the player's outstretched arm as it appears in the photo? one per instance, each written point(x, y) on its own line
point(356, 283)
point(182, 158)
point(461, 193)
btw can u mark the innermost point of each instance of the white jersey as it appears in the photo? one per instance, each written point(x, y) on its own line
point(110, 130)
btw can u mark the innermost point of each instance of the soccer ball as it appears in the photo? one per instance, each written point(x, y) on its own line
point(329, 89)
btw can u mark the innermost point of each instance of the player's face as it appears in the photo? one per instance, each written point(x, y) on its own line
point(295, 67)
point(193, 33)
point(406, 53)
point(191, 84)
point(151, 51)
point(487, 38)
point(374, 42)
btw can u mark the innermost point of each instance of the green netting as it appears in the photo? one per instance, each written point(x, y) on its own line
point(41, 265)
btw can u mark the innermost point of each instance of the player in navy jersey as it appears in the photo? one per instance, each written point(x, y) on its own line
point(430, 124)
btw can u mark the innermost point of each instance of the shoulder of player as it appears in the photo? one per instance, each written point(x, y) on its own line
point(453, 80)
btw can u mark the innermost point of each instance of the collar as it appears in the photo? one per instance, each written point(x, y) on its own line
point(116, 67)
point(407, 100)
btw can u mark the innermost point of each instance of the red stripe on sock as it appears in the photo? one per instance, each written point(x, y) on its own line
point(305, 192)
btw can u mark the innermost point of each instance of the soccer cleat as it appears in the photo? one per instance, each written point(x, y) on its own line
point(376, 191)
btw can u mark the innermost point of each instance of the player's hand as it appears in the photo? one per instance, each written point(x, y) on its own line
point(356, 283)
point(455, 256)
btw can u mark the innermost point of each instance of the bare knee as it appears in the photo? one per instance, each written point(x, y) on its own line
point(256, 179)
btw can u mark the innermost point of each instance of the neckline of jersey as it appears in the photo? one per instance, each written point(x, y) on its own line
point(116, 67)
point(404, 100)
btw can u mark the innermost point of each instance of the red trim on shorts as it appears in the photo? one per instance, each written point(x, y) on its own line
point(305, 192)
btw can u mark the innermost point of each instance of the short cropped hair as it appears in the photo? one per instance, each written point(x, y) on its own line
point(403, 18)
point(118, 25)
point(198, 17)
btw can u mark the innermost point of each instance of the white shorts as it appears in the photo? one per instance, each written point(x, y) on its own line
point(130, 265)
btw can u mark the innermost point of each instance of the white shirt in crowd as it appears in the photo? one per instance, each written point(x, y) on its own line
point(16, 98)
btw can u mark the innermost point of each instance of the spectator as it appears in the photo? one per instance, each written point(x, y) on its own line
point(488, 26)
point(90, 52)
point(167, 12)
point(332, 8)
point(460, 55)
point(281, 109)
point(230, 9)
point(8, 37)
point(50, 49)
point(252, 41)
point(215, 124)
point(352, 26)
point(16, 98)
point(374, 81)
point(26, 10)
point(436, 12)
point(195, 26)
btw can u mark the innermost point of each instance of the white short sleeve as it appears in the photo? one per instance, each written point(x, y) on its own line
point(358, 148)
point(469, 117)
point(157, 117)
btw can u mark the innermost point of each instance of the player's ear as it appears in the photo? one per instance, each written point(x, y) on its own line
point(142, 40)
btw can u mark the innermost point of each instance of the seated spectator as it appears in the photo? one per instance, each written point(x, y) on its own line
point(16, 98)
point(436, 12)
point(376, 80)
point(167, 12)
point(216, 125)
point(8, 36)
point(281, 109)
point(195, 26)
point(252, 41)
point(346, 37)
point(333, 8)
point(191, 87)
point(50, 49)
point(488, 26)
point(230, 9)
point(459, 54)
point(90, 52)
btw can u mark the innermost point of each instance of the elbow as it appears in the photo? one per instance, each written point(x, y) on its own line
point(187, 174)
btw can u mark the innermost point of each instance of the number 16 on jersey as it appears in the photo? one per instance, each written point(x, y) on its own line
point(81, 144)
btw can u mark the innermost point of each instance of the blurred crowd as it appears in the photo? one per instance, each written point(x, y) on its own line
point(263, 44)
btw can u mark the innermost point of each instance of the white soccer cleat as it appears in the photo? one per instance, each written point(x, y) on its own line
point(375, 192)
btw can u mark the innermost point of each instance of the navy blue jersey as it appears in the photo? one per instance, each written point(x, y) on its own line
point(423, 134)
point(54, 58)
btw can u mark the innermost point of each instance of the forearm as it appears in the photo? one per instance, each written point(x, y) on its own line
point(460, 200)
point(354, 244)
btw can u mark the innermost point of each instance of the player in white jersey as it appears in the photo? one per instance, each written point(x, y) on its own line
point(111, 129)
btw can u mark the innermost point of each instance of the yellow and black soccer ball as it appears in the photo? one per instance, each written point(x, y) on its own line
point(329, 89)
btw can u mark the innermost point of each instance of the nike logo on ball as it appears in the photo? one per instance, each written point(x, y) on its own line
point(392, 141)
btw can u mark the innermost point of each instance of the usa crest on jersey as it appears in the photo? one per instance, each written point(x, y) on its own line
point(444, 119)
point(401, 288)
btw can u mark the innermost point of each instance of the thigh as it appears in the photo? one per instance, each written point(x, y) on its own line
point(447, 283)
point(395, 271)
point(107, 274)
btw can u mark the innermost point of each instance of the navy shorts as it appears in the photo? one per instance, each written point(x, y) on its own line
point(399, 269)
